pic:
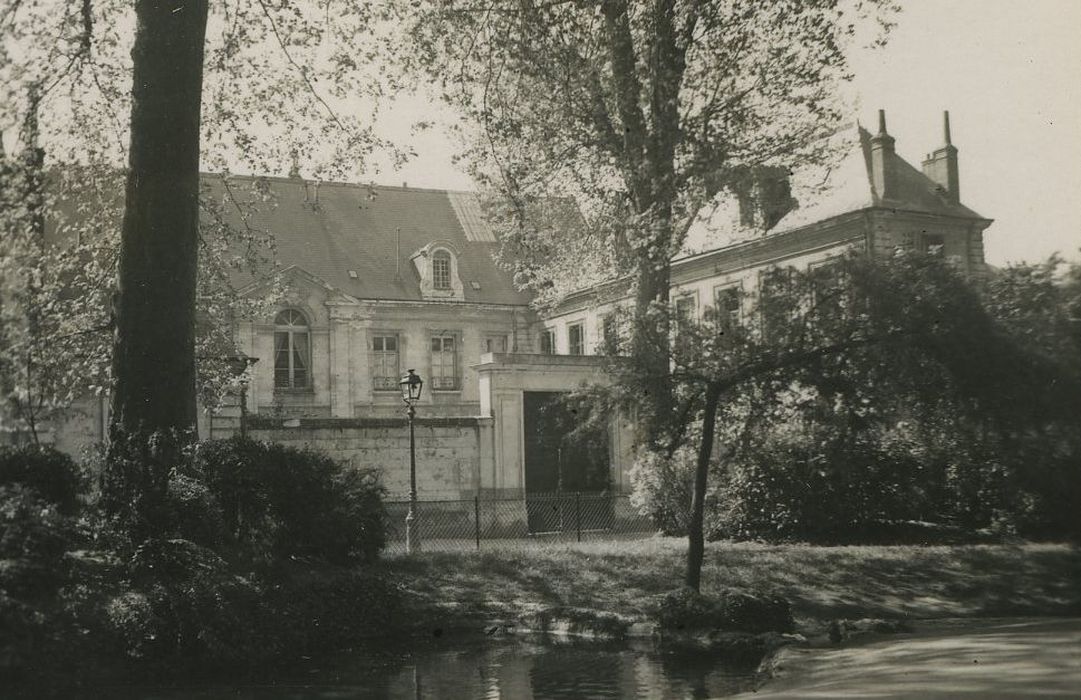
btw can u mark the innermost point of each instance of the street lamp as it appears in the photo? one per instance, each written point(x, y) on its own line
point(411, 384)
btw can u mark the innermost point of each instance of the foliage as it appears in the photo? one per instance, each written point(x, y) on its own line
point(731, 610)
point(637, 113)
point(278, 502)
point(662, 488)
point(49, 473)
point(34, 536)
point(819, 484)
point(606, 130)
point(904, 396)
point(275, 78)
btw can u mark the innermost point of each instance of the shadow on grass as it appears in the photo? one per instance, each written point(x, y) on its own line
point(820, 582)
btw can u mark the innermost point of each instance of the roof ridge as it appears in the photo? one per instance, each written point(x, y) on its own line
point(334, 183)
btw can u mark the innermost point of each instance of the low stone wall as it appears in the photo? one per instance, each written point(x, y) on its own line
point(447, 449)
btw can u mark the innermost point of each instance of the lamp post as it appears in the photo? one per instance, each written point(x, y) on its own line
point(411, 385)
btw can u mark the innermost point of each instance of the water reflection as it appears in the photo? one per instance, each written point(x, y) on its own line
point(530, 670)
point(449, 668)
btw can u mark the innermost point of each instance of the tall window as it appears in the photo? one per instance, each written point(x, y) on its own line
point(292, 351)
point(686, 309)
point(576, 339)
point(726, 305)
point(441, 269)
point(385, 365)
point(548, 342)
point(444, 362)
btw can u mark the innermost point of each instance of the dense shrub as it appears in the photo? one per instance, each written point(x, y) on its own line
point(185, 601)
point(818, 484)
point(50, 473)
point(686, 610)
point(662, 488)
point(34, 537)
point(279, 502)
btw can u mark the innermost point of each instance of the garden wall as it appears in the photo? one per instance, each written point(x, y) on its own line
point(448, 449)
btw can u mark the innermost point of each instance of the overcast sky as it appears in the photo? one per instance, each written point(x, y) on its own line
point(1009, 72)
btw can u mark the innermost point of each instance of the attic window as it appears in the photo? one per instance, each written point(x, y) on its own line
point(352, 274)
point(441, 269)
point(475, 285)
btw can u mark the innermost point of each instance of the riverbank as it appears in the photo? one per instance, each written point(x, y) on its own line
point(1016, 657)
point(822, 583)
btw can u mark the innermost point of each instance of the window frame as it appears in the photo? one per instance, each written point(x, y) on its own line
point(437, 380)
point(374, 353)
point(549, 335)
point(442, 281)
point(728, 318)
point(581, 327)
point(291, 330)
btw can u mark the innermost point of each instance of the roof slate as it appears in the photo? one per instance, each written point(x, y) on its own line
point(328, 229)
point(849, 188)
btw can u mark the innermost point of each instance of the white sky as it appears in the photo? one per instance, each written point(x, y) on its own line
point(1009, 72)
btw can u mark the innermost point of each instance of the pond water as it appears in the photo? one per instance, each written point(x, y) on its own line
point(496, 669)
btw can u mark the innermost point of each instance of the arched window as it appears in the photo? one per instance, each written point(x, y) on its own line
point(292, 351)
point(441, 269)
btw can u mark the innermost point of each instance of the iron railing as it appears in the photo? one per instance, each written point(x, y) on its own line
point(537, 519)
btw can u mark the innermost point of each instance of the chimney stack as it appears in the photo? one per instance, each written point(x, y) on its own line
point(882, 152)
point(941, 165)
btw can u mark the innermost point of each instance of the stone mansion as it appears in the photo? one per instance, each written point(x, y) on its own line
point(378, 280)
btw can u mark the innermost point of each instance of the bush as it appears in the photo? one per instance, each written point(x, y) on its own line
point(736, 611)
point(279, 502)
point(48, 472)
point(817, 484)
point(186, 603)
point(662, 488)
point(34, 536)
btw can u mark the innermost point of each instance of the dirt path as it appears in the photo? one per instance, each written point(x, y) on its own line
point(973, 658)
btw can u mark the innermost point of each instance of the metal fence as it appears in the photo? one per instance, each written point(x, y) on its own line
point(537, 519)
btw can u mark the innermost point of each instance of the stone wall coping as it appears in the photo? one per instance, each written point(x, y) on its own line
point(257, 422)
point(502, 360)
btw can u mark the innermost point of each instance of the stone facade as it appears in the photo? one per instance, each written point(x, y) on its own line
point(875, 202)
point(380, 280)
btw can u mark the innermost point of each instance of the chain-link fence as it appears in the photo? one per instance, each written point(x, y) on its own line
point(537, 519)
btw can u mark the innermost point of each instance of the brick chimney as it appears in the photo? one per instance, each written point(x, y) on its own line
point(882, 152)
point(941, 165)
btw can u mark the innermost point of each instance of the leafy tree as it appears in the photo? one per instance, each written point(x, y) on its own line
point(856, 341)
point(236, 83)
point(635, 115)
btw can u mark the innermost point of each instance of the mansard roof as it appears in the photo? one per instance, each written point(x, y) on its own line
point(359, 238)
point(849, 187)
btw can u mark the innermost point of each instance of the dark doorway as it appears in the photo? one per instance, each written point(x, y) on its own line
point(564, 464)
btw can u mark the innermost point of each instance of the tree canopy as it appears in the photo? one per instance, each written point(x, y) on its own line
point(638, 112)
point(887, 375)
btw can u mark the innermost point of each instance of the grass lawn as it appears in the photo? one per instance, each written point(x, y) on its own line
point(821, 582)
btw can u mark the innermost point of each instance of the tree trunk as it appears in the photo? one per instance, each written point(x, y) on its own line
point(154, 344)
point(652, 346)
point(696, 540)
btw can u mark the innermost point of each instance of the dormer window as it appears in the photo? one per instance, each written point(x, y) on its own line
point(441, 269)
point(437, 267)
